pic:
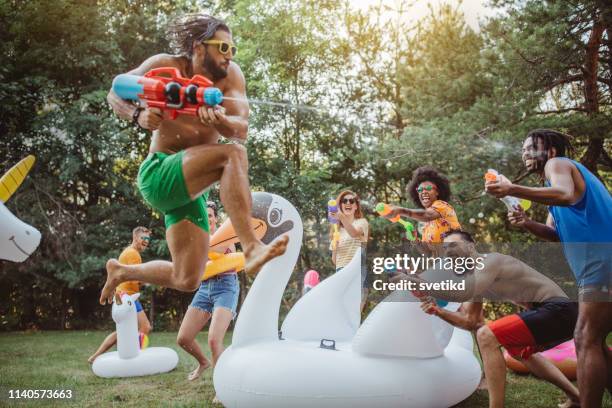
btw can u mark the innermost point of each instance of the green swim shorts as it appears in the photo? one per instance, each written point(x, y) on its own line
point(162, 185)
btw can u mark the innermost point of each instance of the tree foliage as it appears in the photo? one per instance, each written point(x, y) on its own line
point(340, 98)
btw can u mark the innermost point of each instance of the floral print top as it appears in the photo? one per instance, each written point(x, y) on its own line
point(433, 230)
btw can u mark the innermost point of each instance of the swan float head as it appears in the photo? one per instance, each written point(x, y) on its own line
point(18, 240)
point(272, 216)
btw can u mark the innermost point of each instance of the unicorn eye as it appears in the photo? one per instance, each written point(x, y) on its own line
point(129, 303)
point(275, 216)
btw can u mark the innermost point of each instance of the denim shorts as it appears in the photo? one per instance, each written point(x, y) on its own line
point(218, 291)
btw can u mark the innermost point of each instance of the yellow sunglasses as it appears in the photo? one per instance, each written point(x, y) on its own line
point(224, 47)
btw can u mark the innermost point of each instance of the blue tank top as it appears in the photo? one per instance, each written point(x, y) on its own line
point(585, 230)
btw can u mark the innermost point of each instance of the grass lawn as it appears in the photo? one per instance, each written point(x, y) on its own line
point(58, 360)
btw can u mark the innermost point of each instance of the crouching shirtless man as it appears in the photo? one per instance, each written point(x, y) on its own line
point(185, 160)
point(549, 319)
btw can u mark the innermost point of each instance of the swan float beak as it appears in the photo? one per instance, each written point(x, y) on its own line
point(226, 234)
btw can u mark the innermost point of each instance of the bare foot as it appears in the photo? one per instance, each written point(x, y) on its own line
point(257, 256)
point(570, 403)
point(91, 359)
point(216, 400)
point(195, 374)
point(113, 270)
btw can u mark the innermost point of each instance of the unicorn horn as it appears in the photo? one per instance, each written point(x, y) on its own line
point(13, 178)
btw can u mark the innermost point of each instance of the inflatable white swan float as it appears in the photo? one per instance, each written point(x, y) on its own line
point(399, 357)
point(18, 240)
point(129, 360)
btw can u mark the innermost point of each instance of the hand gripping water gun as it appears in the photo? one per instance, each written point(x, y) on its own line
point(332, 207)
point(510, 201)
point(164, 88)
point(384, 209)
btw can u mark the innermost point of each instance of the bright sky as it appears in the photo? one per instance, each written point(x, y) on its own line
point(473, 9)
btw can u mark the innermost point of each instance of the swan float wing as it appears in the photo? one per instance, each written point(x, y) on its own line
point(398, 327)
point(330, 310)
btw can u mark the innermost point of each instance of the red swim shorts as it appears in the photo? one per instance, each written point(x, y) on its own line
point(514, 335)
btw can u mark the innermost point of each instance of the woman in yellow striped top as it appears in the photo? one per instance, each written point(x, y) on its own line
point(354, 231)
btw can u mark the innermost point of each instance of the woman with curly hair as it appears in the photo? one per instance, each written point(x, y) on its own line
point(430, 191)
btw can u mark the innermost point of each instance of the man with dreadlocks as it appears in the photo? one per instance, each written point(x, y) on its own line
point(185, 159)
point(580, 217)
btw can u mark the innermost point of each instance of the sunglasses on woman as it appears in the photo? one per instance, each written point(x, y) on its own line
point(426, 188)
point(348, 201)
point(223, 46)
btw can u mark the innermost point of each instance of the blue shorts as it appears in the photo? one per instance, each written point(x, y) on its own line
point(138, 306)
point(218, 291)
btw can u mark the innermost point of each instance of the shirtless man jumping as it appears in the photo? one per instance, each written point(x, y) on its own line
point(185, 160)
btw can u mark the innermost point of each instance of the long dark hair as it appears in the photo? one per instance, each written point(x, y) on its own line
point(552, 138)
point(427, 173)
point(193, 28)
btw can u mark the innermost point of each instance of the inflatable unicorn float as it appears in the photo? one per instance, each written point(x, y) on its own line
point(129, 360)
point(18, 240)
point(399, 356)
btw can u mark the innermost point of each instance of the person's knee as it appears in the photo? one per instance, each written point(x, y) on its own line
point(190, 284)
point(182, 340)
point(187, 281)
point(237, 152)
point(485, 337)
point(214, 344)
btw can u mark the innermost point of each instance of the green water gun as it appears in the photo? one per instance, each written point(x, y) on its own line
point(384, 209)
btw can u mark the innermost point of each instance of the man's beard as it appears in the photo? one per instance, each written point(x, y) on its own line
point(539, 158)
point(216, 71)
